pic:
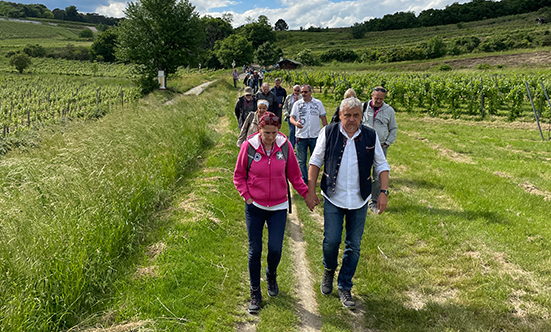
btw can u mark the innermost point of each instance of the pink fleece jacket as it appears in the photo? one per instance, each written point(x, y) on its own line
point(266, 183)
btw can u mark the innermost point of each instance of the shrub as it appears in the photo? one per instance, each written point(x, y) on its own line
point(35, 51)
point(444, 67)
point(20, 62)
point(339, 55)
point(86, 34)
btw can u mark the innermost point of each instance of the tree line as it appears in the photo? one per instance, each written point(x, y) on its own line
point(19, 10)
point(452, 14)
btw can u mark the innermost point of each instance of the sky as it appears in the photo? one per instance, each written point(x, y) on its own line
point(317, 13)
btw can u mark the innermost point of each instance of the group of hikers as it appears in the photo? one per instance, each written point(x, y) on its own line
point(352, 149)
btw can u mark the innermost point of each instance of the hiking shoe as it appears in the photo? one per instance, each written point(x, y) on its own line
point(373, 207)
point(273, 288)
point(256, 299)
point(327, 282)
point(346, 299)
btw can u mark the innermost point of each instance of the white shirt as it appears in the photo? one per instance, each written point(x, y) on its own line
point(308, 114)
point(347, 188)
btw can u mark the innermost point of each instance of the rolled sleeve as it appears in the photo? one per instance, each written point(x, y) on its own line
point(318, 156)
point(379, 161)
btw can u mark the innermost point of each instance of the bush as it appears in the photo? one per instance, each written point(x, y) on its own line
point(444, 67)
point(339, 55)
point(306, 58)
point(86, 34)
point(483, 66)
point(20, 62)
point(35, 51)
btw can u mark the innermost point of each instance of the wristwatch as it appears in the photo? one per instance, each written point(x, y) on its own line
point(385, 191)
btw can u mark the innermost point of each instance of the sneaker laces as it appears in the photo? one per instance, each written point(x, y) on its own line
point(346, 295)
point(256, 296)
point(327, 279)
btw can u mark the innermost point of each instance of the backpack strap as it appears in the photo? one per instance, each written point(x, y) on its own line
point(250, 154)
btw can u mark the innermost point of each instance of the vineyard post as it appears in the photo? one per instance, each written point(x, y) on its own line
point(122, 97)
point(534, 108)
point(28, 117)
point(481, 97)
point(472, 95)
point(546, 95)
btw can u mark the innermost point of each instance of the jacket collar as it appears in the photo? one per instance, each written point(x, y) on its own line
point(254, 140)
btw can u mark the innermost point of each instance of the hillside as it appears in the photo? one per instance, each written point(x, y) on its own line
point(521, 33)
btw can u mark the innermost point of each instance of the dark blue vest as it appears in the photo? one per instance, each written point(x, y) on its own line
point(334, 149)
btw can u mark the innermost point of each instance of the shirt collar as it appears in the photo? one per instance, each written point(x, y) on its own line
point(356, 134)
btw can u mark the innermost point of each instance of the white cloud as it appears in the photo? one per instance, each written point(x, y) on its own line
point(202, 6)
point(326, 13)
point(115, 9)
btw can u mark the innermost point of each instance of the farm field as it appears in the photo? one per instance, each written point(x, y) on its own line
point(131, 222)
point(463, 246)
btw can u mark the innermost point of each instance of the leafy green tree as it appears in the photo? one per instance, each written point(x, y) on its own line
point(20, 62)
point(86, 34)
point(258, 33)
point(235, 47)
point(160, 34)
point(35, 51)
point(306, 58)
point(216, 29)
point(263, 19)
point(267, 54)
point(435, 48)
point(358, 31)
point(104, 46)
point(281, 25)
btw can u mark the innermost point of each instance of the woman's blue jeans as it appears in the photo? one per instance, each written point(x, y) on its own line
point(332, 235)
point(255, 219)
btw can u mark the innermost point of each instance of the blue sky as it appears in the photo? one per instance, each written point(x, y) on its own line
point(324, 13)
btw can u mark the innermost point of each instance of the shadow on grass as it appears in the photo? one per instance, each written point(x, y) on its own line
point(418, 209)
point(386, 315)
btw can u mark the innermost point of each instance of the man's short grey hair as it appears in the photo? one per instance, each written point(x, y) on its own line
point(296, 86)
point(309, 87)
point(349, 103)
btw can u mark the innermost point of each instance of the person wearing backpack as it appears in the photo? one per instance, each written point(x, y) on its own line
point(265, 162)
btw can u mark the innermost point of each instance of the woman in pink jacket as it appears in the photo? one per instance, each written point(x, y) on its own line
point(264, 188)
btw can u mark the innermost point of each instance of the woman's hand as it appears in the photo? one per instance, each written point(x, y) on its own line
point(249, 201)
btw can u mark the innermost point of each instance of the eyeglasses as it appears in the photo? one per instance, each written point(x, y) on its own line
point(383, 90)
point(297, 90)
point(248, 95)
point(271, 119)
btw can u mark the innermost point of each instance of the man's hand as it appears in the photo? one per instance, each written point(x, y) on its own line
point(381, 202)
point(312, 200)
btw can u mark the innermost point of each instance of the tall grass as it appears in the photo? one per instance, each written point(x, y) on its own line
point(76, 207)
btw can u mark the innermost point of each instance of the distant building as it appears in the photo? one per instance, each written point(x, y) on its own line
point(288, 64)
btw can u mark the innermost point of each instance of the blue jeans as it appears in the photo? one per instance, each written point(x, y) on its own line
point(255, 219)
point(332, 235)
point(291, 133)
point(303, 144)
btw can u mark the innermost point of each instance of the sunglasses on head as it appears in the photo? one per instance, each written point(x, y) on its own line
point(271, 119)
point(380, 90)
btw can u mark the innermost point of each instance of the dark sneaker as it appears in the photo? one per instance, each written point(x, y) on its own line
point(327, 282)
point(256, 299)
point(273, 288)
point(346, 299)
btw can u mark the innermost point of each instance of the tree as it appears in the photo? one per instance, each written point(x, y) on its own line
point(263, 19)
point(267, 54)
point(104, 46)
point(258, 33)
point(20, 62)
point(162, 34)
point(358, 30)
point(235, 47)
point(216, 29)
point(281, 25)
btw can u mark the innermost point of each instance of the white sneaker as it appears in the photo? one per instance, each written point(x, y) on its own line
point(373, 208)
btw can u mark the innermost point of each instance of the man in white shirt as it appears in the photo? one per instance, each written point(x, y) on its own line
point(305, 116)
point(350, 152)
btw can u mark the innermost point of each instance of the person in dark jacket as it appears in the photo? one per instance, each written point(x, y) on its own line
point(280, 94)
point(245, 104)
point(266, 94)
